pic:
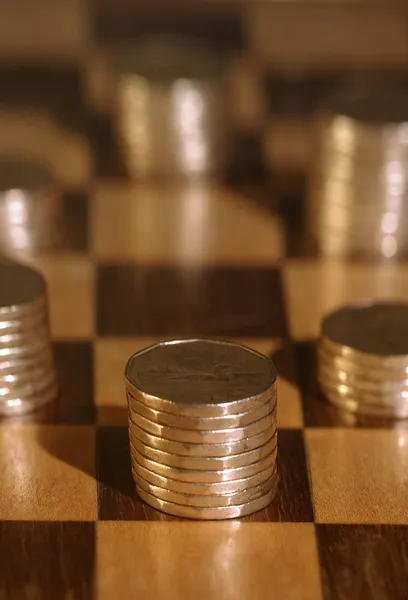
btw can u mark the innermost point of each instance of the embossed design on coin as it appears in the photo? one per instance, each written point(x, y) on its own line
point(200, 371)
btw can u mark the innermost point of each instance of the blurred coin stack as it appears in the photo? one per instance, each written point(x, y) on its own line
point(363, 359)
point(202, 428)
point(357, 203)
point(170, 107)
point(27, 378)
point(29, 206)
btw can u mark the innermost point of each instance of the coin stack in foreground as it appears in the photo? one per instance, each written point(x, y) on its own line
point(202, 428)
point(357, 202)
point(363, 359)
point(27, 378)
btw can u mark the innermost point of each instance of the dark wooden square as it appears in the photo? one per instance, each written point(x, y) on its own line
point(47, 559)
point(155, 301)
point(363, 561)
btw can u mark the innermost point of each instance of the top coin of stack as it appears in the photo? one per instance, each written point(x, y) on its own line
point(27, 378)
point(363, 359)
point(202, 428)
point(357, 201)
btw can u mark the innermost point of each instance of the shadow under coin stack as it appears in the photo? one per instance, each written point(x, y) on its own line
point(202, 428)
point(363, 359)
point(27, 378)
point(357, 204)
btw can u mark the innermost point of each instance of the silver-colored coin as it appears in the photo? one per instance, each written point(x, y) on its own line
point(204, 477)
point(374, 328)
point(359, 369)
point(197, 423)
point(204, 501)
point(364, 359)
point(225, 466)
point(200, 378)
point(209, 514)
point(27, 350)
point(362, 384)
point(202, 450)
point(24, 404)
point(33, 386)
point(10, 365)
point(220, 436)
point(352, 402)
point(203, 489)
point(17, 340)
point(25, 323)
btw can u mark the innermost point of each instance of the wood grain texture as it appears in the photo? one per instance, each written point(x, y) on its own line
point(363, 561)
point(137, 300)
point(44, 560)
point(47, 473)
point(207, 560)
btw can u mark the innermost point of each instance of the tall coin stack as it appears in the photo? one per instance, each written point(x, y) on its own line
point(202, 428)
point(27, 377)
point(363, 359)
point(357, 204)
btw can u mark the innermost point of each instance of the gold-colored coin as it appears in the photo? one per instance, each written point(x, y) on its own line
point(200, 378)
point(203, 489)
point(209, 514)
point(225, 466)
point(204, 501)
point(192, 436)
point(205, 477)
point(202, 450)
point(197, 423)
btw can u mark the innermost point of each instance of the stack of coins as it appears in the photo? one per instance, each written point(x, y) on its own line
point(202, 428)
point(171, 114)
point(27, 378)
point(357, 203)
point(30, 206)
point(363, 359)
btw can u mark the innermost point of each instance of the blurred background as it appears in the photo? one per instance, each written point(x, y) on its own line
point(300, 106)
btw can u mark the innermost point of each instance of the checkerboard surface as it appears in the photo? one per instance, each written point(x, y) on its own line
point(142, 262)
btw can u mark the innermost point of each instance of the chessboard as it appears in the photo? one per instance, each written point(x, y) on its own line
point(141, 262)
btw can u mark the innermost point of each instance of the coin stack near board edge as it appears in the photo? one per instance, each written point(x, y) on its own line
point(202, 428)
point(27, 376)
point(357, 197)
point(363, 359)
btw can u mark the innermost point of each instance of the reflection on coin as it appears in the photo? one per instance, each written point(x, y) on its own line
point(195, 463)
point(205, 477)
point(22, 404)
point(217, 436)
point(203, 450)
point(362, 384)
point(200, 378)
point(204, 501)
point(358, 368)
point(193, 512)
point(197, 423)
point(183, 487)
